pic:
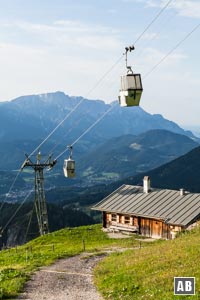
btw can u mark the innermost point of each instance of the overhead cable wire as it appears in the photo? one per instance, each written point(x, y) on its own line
point(154, 37)
point(29, 223)
point(11, 187)
point(77, 123)
point(76, 106)
point(154, 19)
point(88, 129)
point(66, 134)
point(94, 124)
point(172, 50)
point(54, 130)
point(16, 211)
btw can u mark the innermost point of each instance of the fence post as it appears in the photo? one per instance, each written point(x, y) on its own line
point(83, 242)
point(26, 255)
point(53, 248)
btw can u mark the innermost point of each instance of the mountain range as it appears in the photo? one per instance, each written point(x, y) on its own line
point(26, 121)
point(33, 117)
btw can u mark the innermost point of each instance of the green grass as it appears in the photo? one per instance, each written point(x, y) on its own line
point(148, 273)
point(17, 264)
point(135, 274)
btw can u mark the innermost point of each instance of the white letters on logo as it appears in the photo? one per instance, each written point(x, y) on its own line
point(180, 286)
point(188, 286)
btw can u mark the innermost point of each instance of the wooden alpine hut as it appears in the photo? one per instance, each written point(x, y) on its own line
point(151, 212)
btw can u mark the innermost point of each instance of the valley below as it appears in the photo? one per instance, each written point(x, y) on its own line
point(138, 144)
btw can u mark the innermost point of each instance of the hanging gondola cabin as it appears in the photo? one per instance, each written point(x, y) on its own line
point(69, 168)
point(131, 90)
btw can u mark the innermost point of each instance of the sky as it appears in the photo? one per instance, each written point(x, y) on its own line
point(77, 47)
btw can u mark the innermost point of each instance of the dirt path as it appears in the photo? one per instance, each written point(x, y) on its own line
point(67, 279)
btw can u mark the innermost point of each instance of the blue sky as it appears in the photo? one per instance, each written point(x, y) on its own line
point(46, 46)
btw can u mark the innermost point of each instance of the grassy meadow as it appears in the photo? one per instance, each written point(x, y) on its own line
point(17, 264)
point(145, 272)
point(148, 273)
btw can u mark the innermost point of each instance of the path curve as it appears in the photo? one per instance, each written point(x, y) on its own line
point(66, 279)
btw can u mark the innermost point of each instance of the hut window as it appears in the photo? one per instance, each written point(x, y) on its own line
point(127, 220)
point(114, 217)
point(177, 228)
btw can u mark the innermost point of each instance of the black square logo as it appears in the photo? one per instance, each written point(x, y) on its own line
point(184, 285)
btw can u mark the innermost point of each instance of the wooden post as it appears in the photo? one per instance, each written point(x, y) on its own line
point(83, 241)
point(53, 248)
point(26, 255)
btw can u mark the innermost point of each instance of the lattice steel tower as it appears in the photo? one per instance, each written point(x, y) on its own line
point(40, 200)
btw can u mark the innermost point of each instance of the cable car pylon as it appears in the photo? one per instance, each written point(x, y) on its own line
point(40, 200)
point(131, 85)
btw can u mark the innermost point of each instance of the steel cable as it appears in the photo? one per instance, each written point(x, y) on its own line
point(16, 211)
point(172, 50)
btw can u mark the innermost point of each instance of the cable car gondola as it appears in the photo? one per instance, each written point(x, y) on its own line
point(69, 165)
point(131, 86)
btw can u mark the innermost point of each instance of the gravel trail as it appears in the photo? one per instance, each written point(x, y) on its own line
point(66, 279)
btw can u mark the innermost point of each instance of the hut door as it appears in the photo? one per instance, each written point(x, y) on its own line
point(145, 227)
point(156, 229)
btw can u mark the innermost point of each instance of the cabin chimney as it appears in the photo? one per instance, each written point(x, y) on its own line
point(146, 184)
point(182, 192)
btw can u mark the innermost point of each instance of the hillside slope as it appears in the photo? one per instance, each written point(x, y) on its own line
point(128, 155)
point(17, 264)
point(183, 172)
point(18, 230)
point(148, 273)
